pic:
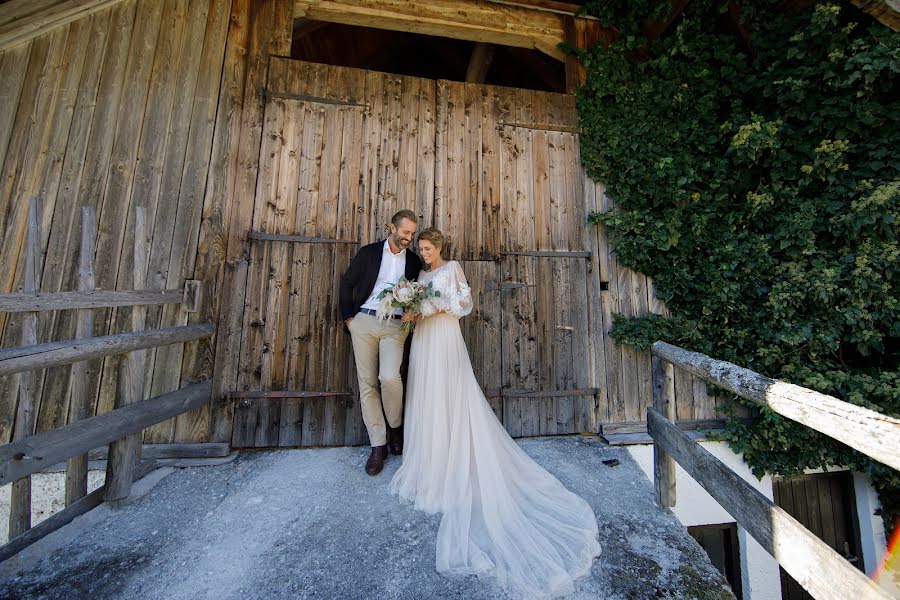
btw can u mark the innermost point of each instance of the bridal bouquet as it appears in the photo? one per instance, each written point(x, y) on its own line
point(407, 295)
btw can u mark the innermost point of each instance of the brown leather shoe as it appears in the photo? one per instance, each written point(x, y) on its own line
point(396, 440)
point(376, 460)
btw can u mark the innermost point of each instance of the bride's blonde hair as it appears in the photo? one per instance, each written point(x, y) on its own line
point(434, 236)
point(438, 239)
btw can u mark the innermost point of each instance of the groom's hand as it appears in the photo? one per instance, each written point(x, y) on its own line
point(347, 321)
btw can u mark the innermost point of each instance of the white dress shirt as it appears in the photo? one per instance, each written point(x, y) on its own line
point(393, 266)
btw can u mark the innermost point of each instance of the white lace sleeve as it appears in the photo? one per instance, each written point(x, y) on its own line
point(459, 295)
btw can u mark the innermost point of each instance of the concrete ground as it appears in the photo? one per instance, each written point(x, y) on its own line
point(310, 524)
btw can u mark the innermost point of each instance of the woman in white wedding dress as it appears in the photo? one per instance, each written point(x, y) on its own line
point(503, 514)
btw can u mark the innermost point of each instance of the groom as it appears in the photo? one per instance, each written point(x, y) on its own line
point(377, 344)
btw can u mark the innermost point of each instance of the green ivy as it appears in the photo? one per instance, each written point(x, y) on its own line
point(758, 182)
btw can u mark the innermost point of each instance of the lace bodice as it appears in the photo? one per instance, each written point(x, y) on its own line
point(450, 281)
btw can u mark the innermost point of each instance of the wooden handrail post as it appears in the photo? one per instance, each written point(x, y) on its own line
point(81, 397)
point(20, 501)
point(664, 402)
point(125, 453)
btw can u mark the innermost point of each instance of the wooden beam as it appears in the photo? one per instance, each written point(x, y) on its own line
point(66, 516)
point(664, 403)
point(886, 12)
point(816, 566)
point(81, 400)
point(479, 62)
point(300, 239)
point(125, 453)
point(31, 301)
point(20, 497)
point(459, 19)
point(22, 20)
point(42, 450)
point(872, 433)
point(54, 354)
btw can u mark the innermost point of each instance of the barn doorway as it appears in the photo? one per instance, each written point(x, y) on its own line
point(496, 168)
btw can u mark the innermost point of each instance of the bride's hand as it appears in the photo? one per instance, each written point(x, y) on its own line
point(407, 317)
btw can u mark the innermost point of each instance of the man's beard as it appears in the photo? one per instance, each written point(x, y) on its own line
point(400, 243)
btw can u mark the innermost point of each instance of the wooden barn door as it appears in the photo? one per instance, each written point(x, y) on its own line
point(342, 150)
point(509, 193)
point(497, 169)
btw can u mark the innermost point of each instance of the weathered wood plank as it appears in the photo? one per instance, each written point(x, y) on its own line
point(41, 356)
point(124, 453)
point(480, 22)
point(46, 301)
point(872, 433)
point(819, 569)
point(664, 404)
point(220, 356)
point(20, 498)
point(47, 448)
point(81, 398)
point(188, 260)
point(114, 264)
point(36, 22)
point(599, 376)
point(609, 304)
point(174, 87)
point(13, 66)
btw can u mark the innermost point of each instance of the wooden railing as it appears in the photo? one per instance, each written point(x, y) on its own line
point(818, 568)
point(120, 428)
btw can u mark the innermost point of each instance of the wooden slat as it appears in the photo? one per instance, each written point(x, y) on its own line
point(170, 101)
point(13, 64)
point(872, 433)
point(81, 400)
point(114, 264)
point(549, 254)
point(74, 107)
point(223, 272)
point(47, 448)
point(20, 497)
point(300, 239)
point(609, 304)
point(187, 258)
point(478, 22)
point(599, 376)
point(67, 515)
point(27, 302)
point(24, 24)
point(818, 568)
point(663, 404)
point(51, 354)
point(124, 453)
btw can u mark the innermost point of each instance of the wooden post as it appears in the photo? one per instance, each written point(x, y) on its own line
point(819, 570)
point(81, 397)
point(20, 501)
point(664, 402)
point(125, 453)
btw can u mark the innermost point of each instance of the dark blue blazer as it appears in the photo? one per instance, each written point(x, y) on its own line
point(359, 280)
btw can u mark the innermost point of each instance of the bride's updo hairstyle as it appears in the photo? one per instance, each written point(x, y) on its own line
point(437, 239)
point(434, 236)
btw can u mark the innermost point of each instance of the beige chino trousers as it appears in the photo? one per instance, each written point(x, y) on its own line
point(378, 350)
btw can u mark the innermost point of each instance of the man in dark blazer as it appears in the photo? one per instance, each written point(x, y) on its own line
point(378, 344)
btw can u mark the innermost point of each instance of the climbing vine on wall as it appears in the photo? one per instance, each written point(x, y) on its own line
point(756, 176)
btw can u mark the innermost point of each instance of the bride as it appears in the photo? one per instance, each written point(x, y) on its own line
point(503, 514)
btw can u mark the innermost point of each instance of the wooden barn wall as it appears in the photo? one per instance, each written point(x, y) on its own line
point(161, 105)
point(115, 110)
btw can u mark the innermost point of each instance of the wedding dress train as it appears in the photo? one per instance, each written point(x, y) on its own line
point(503, 514)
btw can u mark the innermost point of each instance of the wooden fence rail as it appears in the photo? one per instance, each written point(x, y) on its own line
point(26, 302)
point(63, 353)
point(24, 457)
point(817, 567)
point(120, 428)
point(872, 433)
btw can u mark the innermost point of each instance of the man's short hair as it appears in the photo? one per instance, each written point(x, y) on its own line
point(403, 214)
